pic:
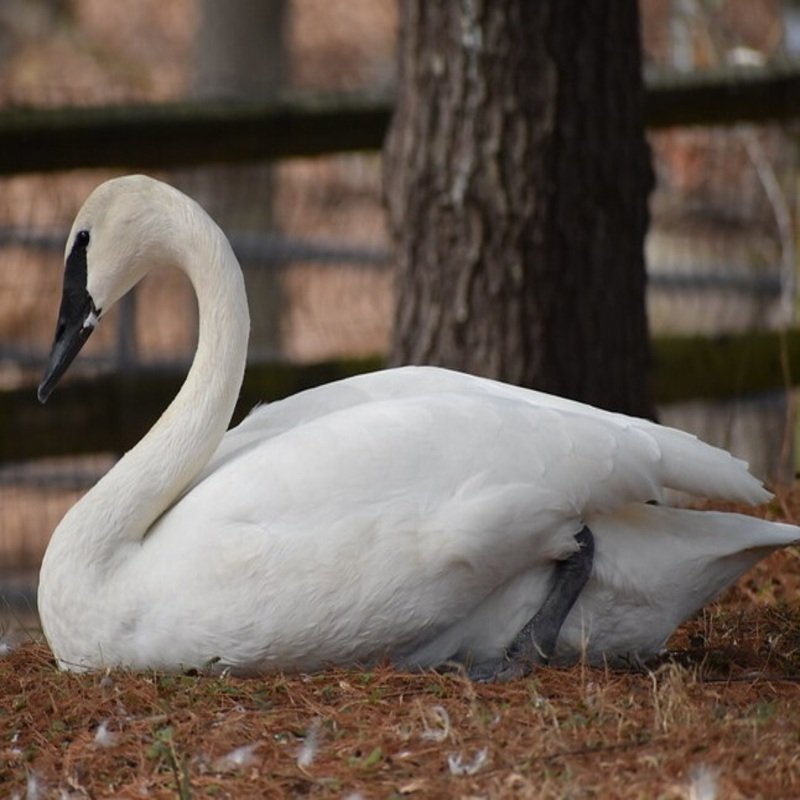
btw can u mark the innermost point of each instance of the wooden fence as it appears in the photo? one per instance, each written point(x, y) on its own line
point(182, 134)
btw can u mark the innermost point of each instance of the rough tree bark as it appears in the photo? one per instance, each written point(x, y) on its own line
point(517, 176)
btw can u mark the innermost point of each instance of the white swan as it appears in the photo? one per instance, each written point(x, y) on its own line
point(417, 514)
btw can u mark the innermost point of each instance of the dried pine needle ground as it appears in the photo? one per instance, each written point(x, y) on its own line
point(720, 717)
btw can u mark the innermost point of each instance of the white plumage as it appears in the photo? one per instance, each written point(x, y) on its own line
point(414, 513)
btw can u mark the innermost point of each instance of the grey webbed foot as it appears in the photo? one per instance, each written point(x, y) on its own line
point(536, 642)
point(501, 670)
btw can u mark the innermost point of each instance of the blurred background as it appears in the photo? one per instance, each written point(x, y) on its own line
point(310, 232)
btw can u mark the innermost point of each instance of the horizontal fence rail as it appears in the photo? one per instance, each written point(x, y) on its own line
point(259, 249)
point(189, 133)
point(305, 124)
point(723, 97)
point(111, 412)
point(272, 251)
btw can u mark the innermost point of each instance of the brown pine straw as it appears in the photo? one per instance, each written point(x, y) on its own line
point(719, 716)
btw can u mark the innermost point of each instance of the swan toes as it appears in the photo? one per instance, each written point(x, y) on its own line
point(501, 670)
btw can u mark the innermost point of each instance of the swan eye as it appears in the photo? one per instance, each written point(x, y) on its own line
point(82, 238)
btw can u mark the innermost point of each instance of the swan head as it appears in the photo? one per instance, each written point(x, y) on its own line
point(118, 236)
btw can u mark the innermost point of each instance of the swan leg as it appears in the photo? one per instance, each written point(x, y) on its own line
point(536, 642)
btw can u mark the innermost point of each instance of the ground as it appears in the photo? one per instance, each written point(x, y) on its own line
point(719, 716)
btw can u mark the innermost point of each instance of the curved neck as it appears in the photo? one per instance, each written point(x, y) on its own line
point(123, 505)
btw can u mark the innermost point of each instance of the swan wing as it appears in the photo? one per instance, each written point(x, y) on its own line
point(684, 463)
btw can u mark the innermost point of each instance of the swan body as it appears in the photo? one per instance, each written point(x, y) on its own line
point(415, 514)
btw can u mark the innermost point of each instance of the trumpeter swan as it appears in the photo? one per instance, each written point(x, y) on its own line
point(414, 514)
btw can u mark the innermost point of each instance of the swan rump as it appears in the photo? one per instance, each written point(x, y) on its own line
point(417, 514)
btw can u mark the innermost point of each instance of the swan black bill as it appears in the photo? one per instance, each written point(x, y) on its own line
point(77, 318)
point(71, 335)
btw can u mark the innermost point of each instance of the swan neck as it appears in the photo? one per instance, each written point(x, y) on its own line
point(148, 479)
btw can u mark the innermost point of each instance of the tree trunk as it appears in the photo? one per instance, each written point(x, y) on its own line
point(517, 176)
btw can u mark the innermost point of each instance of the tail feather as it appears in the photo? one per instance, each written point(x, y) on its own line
point(654, 567)
point(692, 466)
